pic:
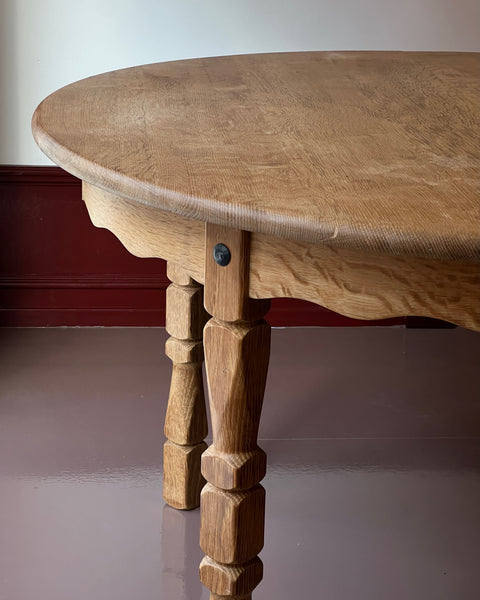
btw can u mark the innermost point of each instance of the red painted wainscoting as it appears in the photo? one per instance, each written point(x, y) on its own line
point(57, 269)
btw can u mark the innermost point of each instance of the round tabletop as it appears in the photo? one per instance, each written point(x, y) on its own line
point(375, 151)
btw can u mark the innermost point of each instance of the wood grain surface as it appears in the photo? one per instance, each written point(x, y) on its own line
point(365, 285)
point(373, 151)
point(358, 284)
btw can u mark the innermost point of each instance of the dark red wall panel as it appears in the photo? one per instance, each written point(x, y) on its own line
point(57, 269)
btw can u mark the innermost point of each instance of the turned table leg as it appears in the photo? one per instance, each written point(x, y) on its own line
point(237, 346)
point(186, 421)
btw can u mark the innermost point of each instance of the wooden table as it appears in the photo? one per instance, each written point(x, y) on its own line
point(349, 179)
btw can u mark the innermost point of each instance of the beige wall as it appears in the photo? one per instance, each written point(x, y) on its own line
point(45, 44)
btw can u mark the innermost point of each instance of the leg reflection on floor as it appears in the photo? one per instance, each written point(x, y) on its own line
point(181, 555)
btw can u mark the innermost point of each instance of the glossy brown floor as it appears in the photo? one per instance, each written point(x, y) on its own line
point(373, 489)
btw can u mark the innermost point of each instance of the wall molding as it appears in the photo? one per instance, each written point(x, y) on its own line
point(79, 281)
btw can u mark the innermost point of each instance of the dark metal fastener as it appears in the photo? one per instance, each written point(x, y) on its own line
point(222, 255)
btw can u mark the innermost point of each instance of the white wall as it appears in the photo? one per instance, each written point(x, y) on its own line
point(45, 44)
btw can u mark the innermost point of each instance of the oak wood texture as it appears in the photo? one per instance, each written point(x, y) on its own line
point(362, 285)
point(372, 151)
point(366, 285)
point(237, 345)
point(186, 419)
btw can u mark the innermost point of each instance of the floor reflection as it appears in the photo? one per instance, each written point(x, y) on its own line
point(181, 555)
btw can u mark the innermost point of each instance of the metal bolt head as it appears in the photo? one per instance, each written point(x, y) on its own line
point(222, 255)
